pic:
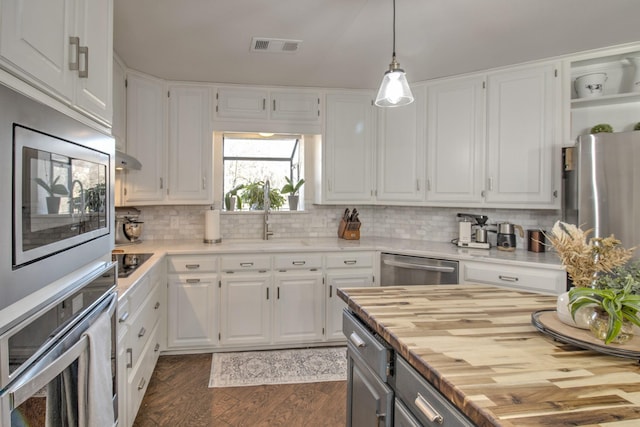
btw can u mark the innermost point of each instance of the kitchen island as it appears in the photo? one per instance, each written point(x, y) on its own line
point(477, 346)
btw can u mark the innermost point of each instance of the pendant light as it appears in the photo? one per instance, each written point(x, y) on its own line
point(394, 90)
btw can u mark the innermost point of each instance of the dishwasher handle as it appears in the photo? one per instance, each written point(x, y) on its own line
point(436, 268)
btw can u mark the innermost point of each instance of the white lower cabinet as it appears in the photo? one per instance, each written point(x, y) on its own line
point(543, 280)
point(245, 308)
point(192, 302)
point(140, 334)
point(299, 306)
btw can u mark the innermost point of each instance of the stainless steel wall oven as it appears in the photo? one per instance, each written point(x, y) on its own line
point(56, 176)
point(58, 365)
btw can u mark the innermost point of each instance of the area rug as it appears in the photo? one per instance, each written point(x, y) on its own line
point(306, 365)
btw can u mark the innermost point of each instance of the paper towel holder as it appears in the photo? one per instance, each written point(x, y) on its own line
point(209, 221)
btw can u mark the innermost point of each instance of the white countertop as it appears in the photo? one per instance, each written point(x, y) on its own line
point(160, 248)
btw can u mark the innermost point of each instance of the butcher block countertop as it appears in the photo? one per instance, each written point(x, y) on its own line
point(476, 344)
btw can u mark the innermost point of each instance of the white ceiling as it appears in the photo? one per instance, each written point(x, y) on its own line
point(348, 43)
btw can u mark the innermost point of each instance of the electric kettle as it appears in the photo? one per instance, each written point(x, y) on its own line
point(506, 240)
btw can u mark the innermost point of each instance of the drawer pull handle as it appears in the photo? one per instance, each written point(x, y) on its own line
point(192, 266)
point(129, 358)
point(350, 261)
point(246, 264)
point(156, 348)
point(298, 262)
point(143, 382)
point(124, 317)
point(330, 290)
point(193, 280)
point(142, 332)
point(426, 408)
point(157, 306)
point(356, 340)
point(508, 278)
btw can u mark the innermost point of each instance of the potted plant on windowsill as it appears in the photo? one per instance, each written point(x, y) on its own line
point(231, 199)
point(292, 189)
point(54, 190)
point(253, 195)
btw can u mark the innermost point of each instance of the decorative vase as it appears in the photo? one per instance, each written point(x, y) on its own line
point(53, 205)
point(635, 84)
point(599, 324)
point(564, 313)
point(293, 203)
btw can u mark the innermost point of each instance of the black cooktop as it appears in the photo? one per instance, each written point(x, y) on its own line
point(128, 263)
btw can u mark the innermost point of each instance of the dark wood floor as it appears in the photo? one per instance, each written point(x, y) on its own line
point(178, 395)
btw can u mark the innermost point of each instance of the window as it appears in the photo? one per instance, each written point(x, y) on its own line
point(250, 159)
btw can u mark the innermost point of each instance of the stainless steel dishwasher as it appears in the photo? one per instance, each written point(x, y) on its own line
point(405, 270)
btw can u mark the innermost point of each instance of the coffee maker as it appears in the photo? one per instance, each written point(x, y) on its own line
point(472, 231)
point(506, 240)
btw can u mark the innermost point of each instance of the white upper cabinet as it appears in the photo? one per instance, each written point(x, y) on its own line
point(523, 136)
point(119, 127)
point(190, 145)
point(145, 140)
point(267, 110)
point(401, 151)
point(64, 48)
point(349, 148)
point(455, 148)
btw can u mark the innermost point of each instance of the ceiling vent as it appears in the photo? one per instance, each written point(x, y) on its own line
point(264, 44)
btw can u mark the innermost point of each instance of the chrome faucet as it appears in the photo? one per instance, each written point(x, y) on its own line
point(267, 206)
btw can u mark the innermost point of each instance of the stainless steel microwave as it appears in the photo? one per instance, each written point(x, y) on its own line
point(56, 184)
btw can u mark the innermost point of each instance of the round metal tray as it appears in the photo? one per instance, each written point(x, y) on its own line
point(547, 322)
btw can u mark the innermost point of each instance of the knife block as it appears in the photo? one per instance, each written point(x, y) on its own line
point(349, 230)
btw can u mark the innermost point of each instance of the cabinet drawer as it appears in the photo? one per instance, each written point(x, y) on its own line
point(533, 279)
point(123, 316)
point(297, 261)
point(402, 416)
point(192, 263)
point(139, 379)
point(374, 353)
point(246, 262)
point(425, 402)
point(138, 293)
point(142, 323)
point(350, 260)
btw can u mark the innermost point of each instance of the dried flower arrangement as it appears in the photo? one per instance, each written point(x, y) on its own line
point(585, 257)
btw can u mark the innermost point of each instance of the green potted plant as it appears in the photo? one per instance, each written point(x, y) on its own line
point(54, 190)
point(253, 195)
point(602, 127)
point(231, 199)
point(292, 189)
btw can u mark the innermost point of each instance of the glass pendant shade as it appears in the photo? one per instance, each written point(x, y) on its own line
point(394, 90)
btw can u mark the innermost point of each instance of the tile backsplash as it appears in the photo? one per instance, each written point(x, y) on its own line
point(417, 223)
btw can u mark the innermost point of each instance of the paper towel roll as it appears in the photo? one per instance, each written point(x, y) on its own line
point(212, 226)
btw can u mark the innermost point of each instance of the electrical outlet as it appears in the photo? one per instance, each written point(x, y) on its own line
point(175, 222)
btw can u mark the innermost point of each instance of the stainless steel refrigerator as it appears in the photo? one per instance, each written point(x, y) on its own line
point(601, 184)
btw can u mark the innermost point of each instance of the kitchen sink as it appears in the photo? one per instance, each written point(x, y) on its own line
point(128, 263)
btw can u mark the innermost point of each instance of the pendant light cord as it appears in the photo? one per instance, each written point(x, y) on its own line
point(394, 29)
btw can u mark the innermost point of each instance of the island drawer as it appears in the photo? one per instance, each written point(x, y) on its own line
point(375, 354)
point(423, 400)
point(192, 263)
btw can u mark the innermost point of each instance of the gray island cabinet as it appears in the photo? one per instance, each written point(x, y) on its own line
point(464, 355)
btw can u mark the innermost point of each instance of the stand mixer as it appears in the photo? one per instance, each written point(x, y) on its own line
point(472, 231)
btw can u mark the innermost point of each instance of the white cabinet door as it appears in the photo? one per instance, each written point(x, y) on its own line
point(145, 140)
point(299, 307)
point(119, 126)
point(190, 146)
point(341, 279)
point(401, 151)
point(94, 27)
point(295, 106)
point(245, 309)
point(521, 138)
point(349, 148)
point(242, 103)
point(34, 38)
point(455, 148)
point(191, 311)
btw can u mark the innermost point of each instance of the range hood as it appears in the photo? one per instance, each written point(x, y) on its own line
point(125, 161)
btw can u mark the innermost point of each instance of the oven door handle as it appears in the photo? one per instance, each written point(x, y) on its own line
point(436, 268)
point(58, 357)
